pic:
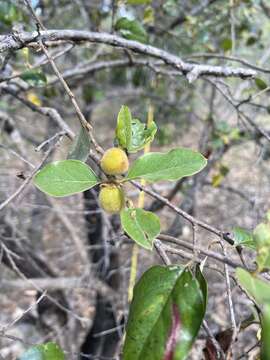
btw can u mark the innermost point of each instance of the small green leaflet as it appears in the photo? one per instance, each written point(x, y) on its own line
point(123, 128)
point(66, 177)
point(48, 351)
point(141, 135)
point(141, 226)
point(131, 29)
point(261, 84)
point(243, 237)
point(80, 148)
point(226, 44)
point(165, 315)
point(173, 165)
point(132, 134)
point(34, 77)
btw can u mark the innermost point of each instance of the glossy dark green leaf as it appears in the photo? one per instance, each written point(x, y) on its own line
point(48, 351)
point(165, 314)
point(141, 135)
point(141, 226)
point(172, 166)
point(34, 77)
point(67, 177)
point(261, 84)
point(243, 237)
point(131, 29)
point(265, 349)
point(252, 39)
point(81, 146)
point(256, 288)
point(123, 128)
point(203, 285)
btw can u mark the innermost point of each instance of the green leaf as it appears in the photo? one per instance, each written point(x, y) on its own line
point(252, 39)
point(34, 78)
point(265, 349)
point(141, 135)
point(165, 315)
point(173, 165)
point(261, 84)
point(149, 16)
point(203, 286)
point(48, 351)
point(81, 146)
point(243, 237)
point(139, 2)
point(123, 128)
point(9, 13)
point(142, 226)
point(226, 44)
point(66, 177)
point(258, 289)
point(262, 240)
point(132, 134)
point(131, 29)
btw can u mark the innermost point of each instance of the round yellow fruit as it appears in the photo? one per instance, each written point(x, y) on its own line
point(114, 162)
point(111, 198)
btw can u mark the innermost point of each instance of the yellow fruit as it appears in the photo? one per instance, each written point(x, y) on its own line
point(111, 198)
point(114, 162)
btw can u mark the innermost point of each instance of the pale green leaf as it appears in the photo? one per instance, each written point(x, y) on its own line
point(258, 289)
point(173, 165)
point(141, 135)
point(131, 29)
point(243, 237)
point(262, 239)
point(67, 177)
point(141, 226)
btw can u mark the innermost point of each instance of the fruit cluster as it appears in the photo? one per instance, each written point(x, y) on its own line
point(111, 197)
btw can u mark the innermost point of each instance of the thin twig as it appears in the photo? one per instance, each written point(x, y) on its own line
point(18, 318)
point(81, 117)
point(184, 214)
point(27, 181)
point(219, 351)
point(221, 258)
point(161, 251)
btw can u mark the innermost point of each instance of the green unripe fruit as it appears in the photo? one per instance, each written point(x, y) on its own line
point(111, 198)
point(114, 162)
